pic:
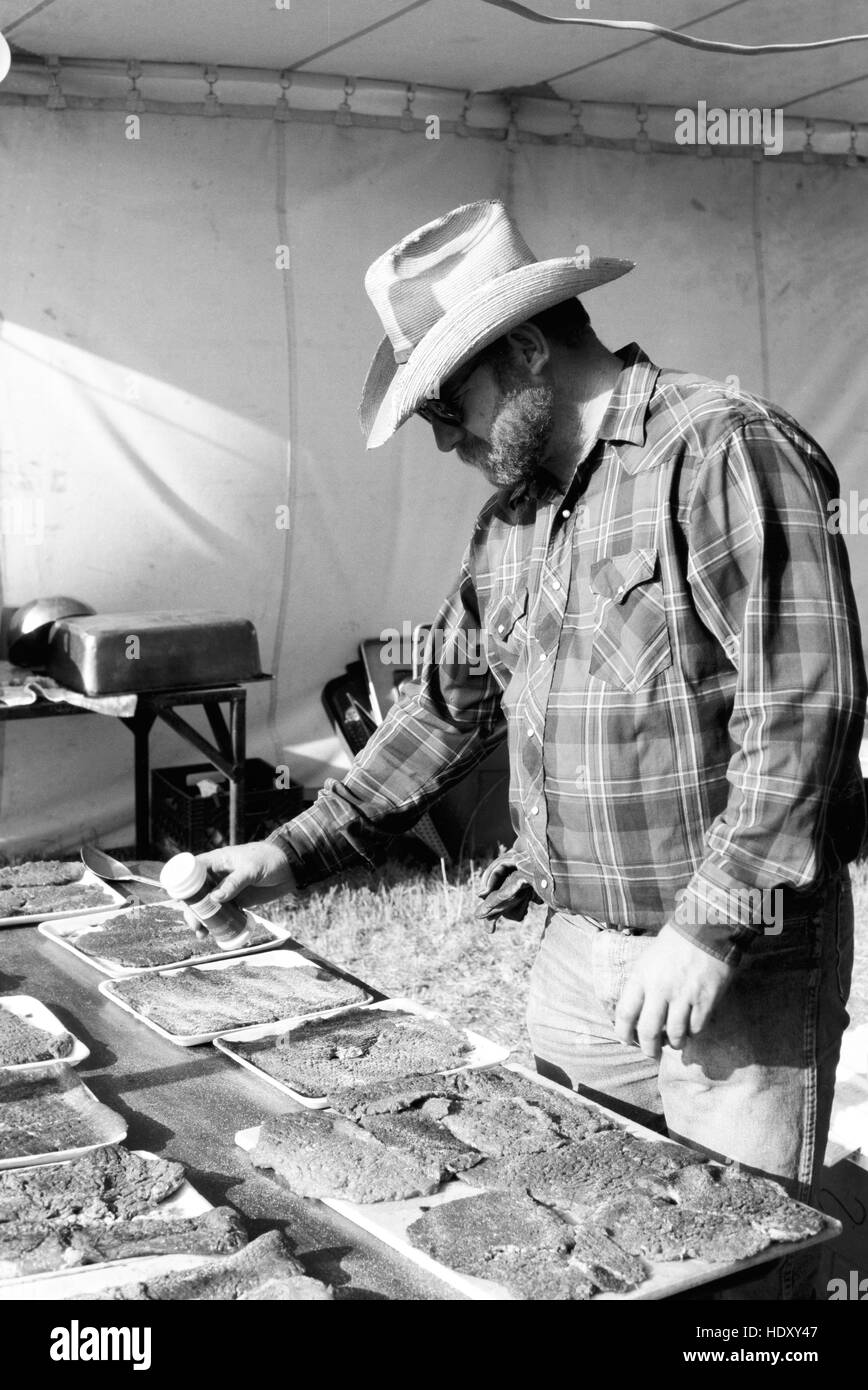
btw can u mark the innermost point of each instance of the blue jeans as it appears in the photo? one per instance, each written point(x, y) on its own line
point(756, 1085)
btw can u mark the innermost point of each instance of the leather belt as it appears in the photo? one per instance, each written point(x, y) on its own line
point(610, 926)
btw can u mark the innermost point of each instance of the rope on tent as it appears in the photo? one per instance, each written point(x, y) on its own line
point(135, 100)
point(282, 110)
point(643, 26)
point(513, 118)
point(344, 113)
point(211, 103)
point(55, 100)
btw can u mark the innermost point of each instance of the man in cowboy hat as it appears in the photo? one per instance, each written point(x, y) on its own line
point(672, 648)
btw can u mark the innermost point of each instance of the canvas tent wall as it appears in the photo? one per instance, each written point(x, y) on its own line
point(167, 389)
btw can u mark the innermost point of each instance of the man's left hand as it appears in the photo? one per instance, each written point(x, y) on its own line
point(670, 993)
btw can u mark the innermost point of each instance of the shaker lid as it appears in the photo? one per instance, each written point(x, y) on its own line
point(183, 876)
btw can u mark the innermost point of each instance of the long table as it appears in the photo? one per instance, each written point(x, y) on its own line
point(187, 1104)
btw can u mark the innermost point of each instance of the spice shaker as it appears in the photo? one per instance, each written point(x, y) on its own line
point(186, 880)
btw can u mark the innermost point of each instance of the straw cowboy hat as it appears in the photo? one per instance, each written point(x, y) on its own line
point(448, 290)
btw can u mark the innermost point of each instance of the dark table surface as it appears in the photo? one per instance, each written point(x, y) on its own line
point(187, 1104)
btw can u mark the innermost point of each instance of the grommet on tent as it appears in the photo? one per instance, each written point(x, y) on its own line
point(809, 154)
point(852, 158)
point(577, 134)
point(55, 101)
point(344, 113)
point(282, 109)
point(642, 143)
point(461, 127)
point(135, 100)
point(408, 122)
point(212, 102)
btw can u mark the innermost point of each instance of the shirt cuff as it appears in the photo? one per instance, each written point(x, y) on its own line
point(303, 859)
point(724, 916)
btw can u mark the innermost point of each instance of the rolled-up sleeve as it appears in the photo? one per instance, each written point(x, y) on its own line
point(771, 580)
point(427, 743)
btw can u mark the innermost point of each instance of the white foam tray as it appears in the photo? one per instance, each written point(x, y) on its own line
point(114, 900)
point(484, 1053)
point(81, 1099)
point(285, 959)
point(92, 1279)
point(35, 1012)
point(389, 1221)
point(66, 934)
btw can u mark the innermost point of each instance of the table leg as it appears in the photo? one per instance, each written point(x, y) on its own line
point(142, 724)
point(238, 734)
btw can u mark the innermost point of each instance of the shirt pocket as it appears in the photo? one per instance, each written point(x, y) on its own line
point(631, 636)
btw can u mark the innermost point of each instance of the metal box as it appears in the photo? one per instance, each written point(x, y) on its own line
point(113, 653)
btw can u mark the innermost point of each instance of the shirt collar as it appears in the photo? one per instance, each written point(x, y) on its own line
point(623, 421)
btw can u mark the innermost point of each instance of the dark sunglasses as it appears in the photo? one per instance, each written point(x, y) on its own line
point(447, 413)
point(434, 409)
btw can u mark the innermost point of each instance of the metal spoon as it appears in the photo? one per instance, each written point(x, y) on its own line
point(104, 866)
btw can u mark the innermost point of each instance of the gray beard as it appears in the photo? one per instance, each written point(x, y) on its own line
point(520, 436)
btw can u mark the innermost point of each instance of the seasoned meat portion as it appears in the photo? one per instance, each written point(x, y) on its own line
point(503, 1127)
point(582, 1174)
point(537, 1275)
point(317, 1155)
point(611, 1269)
point(391, 1097)
point(77, 896)
point(34, 1116)
point(140, 937)
point(196, 1000)
point(40, 873)
point(660, 1230)
point(594, 1265)
point(461, 1233)
point(264, 1269)
point(422, 1138)
point(110, 1183)
point(758, 1201)
point(40, 1247)
point(326, 1054)
point(70, 897)
point(573, 1119)
point(21, 1041)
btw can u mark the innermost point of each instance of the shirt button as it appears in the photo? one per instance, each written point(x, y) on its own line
point(543, 656)
point(543, 883)
point(534, 810)
point(580, 776)
point(501, 627)
point(556, 584)
point(565, 512)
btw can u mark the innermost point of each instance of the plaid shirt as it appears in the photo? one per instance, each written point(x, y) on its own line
point(671, 647)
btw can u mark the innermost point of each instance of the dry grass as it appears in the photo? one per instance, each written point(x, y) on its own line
point(411, 930)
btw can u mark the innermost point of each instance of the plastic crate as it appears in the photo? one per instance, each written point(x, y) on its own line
point(181, 819)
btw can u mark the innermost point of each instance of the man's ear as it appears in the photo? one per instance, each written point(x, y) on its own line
point(530, 346)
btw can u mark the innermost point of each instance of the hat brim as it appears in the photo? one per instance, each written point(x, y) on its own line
point(393, 392)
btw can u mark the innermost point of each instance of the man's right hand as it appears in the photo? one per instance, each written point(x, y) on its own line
point(249, 874)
